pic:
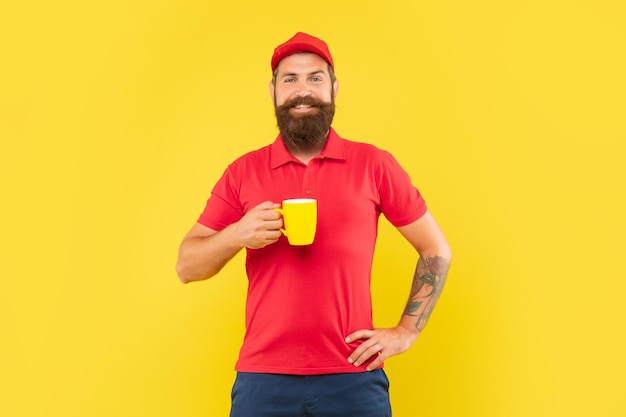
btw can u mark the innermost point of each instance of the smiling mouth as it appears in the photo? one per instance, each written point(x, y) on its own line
point(303, 108)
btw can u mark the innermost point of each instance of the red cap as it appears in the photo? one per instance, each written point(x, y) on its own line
point(301, 42)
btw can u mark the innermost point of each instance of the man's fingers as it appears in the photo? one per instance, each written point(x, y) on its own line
point(264, 212)
point(359, 334)
point(267, 211)
point(271, 224)
point(364, 352)
point(376, 363)
point(267, 205)
point(260, 226)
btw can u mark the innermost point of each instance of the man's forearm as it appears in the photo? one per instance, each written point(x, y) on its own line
point(428, 281)
point(203, 257)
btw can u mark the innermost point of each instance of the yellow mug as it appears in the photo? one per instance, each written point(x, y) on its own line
point(300, 220)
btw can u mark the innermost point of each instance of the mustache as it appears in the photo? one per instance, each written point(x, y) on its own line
point(303, 101)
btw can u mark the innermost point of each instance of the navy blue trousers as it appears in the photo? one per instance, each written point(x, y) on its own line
point(362, 394)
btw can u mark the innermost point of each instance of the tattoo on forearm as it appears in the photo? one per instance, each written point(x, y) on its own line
point(430, 275)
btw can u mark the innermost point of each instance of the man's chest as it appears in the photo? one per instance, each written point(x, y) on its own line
point(338, 186)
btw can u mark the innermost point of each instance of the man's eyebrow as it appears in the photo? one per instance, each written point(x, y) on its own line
point(292, 74)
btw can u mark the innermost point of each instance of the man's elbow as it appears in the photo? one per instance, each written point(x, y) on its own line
point(182, 273)
point(446, 251)
point(436, 247)
point(441, 249)
point(187, 274)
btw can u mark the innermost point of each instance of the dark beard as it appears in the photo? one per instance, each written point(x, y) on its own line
point(308, 131)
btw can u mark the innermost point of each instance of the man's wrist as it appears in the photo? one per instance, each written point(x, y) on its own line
point(410, 327)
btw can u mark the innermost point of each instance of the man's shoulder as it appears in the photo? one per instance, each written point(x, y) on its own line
point(365, 149)
point(253, 156)
point(359, 145)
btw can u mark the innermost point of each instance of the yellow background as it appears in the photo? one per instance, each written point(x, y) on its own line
point(117, 117)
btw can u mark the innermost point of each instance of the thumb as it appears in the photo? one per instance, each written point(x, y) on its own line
point(267, 205)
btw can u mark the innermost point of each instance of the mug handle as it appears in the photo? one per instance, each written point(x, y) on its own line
point(282, 213)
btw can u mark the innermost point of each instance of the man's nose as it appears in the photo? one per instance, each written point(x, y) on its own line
point(303, 91)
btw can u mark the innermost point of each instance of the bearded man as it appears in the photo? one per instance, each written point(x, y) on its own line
point(310, 347)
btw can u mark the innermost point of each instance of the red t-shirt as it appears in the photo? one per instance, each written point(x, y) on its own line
point(304, 300)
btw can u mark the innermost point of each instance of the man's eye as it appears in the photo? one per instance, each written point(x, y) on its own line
point(316, 79)
point(289, 80)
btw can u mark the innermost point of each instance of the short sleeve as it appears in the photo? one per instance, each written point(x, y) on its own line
point(400, 201)
point(223, 207)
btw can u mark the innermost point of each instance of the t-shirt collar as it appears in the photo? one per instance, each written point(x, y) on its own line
point(334, 149)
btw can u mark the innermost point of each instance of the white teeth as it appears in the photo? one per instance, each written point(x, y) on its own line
point(302, 106)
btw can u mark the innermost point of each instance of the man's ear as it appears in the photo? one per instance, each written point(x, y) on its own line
point(335, 88)
point(272, 87)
